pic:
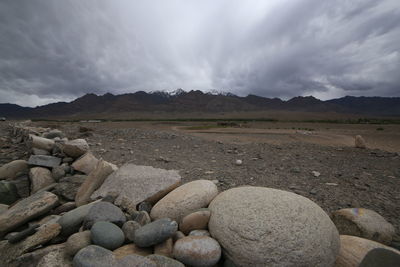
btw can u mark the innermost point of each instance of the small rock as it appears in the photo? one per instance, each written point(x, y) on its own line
point(197, 251)
point(40, 178)
point(75, 148)
point(8, 193)
point(106, 212)
point(68, 186)
point(165, 248)
point(44, 161)
point(72, 220)
point(94, 256)
point(85, 163)
point(38, 151)
point(238, 162)
point(129, 229)
point(131, 249)
point(185, 199)
point(11, 169)
point(107, 235)
point(363, 223)
point(163, 261)
point(40, 142)
point(57, 173)
point(199, 233)
point(145, 206)
point(315, 173)
point(359, 142)
point(77, 242)
point(142, 217)
point(57, 258)
point(195, 221)
point(155, 232)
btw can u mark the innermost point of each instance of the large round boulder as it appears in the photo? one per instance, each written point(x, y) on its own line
point(268, 227)
point(184, 200)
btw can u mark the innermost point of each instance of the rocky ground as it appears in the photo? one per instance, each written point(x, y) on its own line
point(348, 177)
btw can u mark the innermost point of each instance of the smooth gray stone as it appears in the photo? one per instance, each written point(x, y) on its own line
point(107, 235)
point(44, 161)
point(71, 221)
point(155, 232)
point(381, 257)
point(93, 256)
point(106, 212)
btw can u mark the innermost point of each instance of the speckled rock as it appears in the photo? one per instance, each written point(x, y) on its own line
point(197, 220)
point(249, 221)
point(134, 184)
point(197, 251)
point(57, 258)
point(77, 242)
point(155, 232)
point(107, 235)
point(185, 199)
point(364, 223)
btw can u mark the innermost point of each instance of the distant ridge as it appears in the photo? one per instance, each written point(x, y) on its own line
point(198, 101)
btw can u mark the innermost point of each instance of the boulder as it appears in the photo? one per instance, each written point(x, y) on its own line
point(155, 232)
point(75, 148)
point(71, 221)
point(57, 258)
point(40, 178)
point(197, 220)
point(359, 142)
point(40, 142)
point(11, 169)
point(133, 184)
point(106, 212)
point(44, 161)
point(9, 252)
point(27, 210)
point(363, 223)
point(107, 235)
point(197, 251)
point(77, 242)
point(68, 186)
point(129, 229)
point(131, 249)
point(8, 193)
point(94, 180)
point(185, 199)
point(381, 257)
point(94, 256)
point(265, 226)
point(353, 249)
point(85, 163)
point(162, 261)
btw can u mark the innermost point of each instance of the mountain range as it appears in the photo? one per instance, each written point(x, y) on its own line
point(198, 101)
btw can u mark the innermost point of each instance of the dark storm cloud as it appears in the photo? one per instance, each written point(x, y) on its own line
point(58, 50)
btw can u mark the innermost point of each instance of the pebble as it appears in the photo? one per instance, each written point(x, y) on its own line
point(129, 229)
point(199, 233)
point(315, 173)
point(155, 232)
point(197, 251)
point(238, 162)
point(195, 221)
point(107, 235)
point(106, 212)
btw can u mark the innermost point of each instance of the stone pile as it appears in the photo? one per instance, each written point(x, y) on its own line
point(65, 207)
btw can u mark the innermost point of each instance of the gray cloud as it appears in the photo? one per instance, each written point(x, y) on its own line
point(59, 50)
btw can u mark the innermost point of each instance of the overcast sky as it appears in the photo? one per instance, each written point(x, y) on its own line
point(59, 50)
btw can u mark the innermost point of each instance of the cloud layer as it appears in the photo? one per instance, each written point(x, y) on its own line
point(59, 50)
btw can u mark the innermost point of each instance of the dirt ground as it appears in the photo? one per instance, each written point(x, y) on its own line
point(280, 155)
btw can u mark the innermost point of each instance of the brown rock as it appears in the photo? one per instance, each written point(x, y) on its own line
point(75, 148)
point(165, 248)
point(40, 142)
point(26, 210)
point(85, 163)
point(131, 249)
point(11, 169)
point(57, 258)
point(40, 178)
point(364, 223)
point(359, 142)
point(32, 259)
point(134, 184)
point(178, 235)
point(76, 242)
point(185, 199)
point(197, 220)
point(94, 180)
point(353, 250)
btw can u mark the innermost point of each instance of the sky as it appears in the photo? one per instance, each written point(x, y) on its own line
point(60, 50)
